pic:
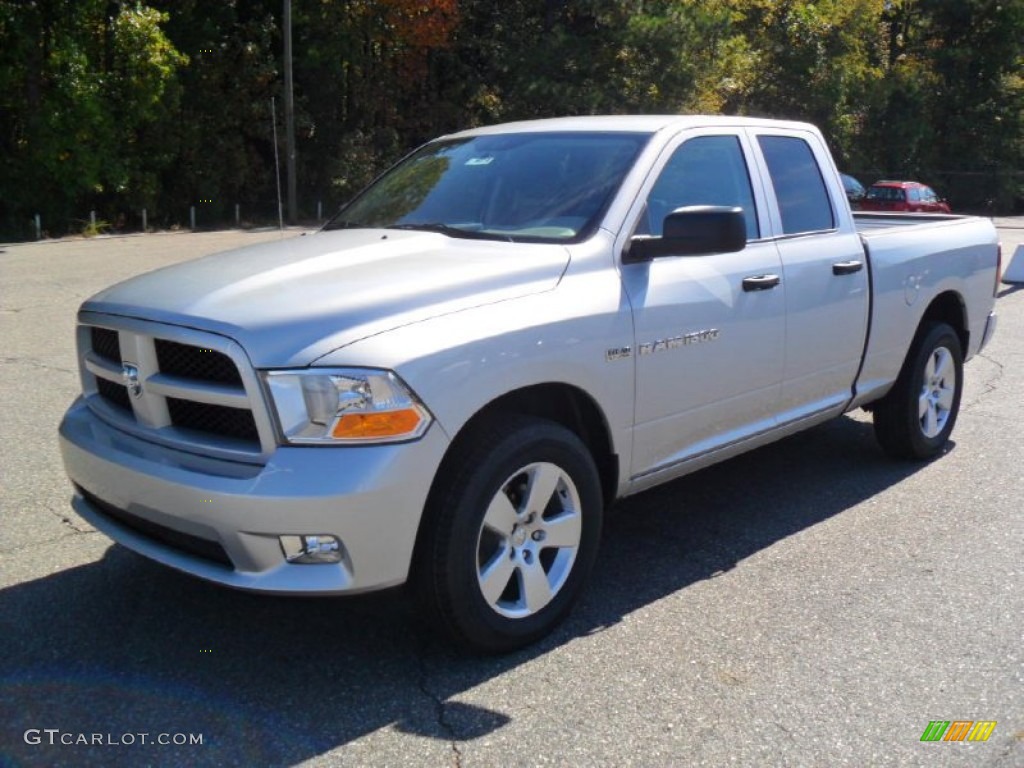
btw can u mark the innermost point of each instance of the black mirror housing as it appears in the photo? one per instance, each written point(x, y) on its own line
point(693, 230)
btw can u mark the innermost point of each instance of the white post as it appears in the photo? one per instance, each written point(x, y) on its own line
point(1014, 272)
point(39, 228)
point(92, 219)
point(143, 219)
point(319, 210)
point(192, 217)
point(238, 215)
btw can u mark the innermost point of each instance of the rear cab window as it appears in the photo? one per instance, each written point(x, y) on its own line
point(800, 190)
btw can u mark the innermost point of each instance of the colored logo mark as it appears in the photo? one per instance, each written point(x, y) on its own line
point(958, 730)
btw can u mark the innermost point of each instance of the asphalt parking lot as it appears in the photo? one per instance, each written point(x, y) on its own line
point(808, 604)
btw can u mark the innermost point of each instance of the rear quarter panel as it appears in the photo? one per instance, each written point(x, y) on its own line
point(913, 260)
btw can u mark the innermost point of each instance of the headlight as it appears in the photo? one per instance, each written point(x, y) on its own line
point(345, 405)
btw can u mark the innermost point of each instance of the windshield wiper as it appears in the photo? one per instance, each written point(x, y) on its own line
point(448, 229)
point(342, 225)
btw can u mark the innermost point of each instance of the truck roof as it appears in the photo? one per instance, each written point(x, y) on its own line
point(630, 123)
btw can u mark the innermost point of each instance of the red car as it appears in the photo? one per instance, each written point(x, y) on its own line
point(903, 196)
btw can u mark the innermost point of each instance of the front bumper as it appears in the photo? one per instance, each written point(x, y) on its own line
point(221, 520)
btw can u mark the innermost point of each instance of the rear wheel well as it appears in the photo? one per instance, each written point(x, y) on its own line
point(946, 308)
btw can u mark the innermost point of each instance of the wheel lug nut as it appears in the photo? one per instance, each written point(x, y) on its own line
point(538, 536)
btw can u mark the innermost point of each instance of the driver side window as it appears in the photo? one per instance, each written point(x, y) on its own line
point(707, 170)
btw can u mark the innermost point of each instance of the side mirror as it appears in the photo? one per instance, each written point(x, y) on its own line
point(697, 229)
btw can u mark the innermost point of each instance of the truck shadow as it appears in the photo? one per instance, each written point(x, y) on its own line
point(122, 646)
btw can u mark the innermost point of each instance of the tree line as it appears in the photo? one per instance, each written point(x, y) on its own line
point(164, 105)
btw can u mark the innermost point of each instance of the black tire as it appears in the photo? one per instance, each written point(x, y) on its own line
point(457, 551)
point(899, 426)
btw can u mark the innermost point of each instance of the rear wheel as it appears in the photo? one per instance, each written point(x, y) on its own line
point(510, 535)
point(915, 419)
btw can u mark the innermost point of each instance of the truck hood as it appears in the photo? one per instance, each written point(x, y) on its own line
point(292, 301)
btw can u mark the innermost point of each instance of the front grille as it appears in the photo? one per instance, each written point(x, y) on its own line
point(198, 383)
point(196, 363)
point(115, 394)
point(106, 344)
point(215, 419)
point(206, 549)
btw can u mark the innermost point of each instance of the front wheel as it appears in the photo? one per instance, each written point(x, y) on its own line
point(915, 419)
point(511, 533)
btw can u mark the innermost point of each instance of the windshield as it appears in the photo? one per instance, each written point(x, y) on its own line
point(540, 187)
point(888, 194)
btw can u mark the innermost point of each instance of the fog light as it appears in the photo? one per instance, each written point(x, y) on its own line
point(311, 549)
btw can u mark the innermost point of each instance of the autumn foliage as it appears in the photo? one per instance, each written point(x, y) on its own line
point(166, 104)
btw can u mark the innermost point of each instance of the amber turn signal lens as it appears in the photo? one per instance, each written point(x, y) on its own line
point(354, 426)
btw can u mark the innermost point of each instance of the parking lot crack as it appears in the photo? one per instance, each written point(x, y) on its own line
point(76, 526)
point(21, 546)
point(36, 363)
point(990, 383)
point(440, 707)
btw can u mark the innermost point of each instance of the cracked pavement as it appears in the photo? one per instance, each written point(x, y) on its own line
point(808, 604)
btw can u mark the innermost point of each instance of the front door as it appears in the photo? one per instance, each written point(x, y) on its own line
point(709, 328)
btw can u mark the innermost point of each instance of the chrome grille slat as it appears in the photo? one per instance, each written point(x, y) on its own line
point(188, 389)
point(101, 367)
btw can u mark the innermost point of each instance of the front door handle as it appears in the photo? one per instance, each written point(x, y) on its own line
point(760, 282)
point(847, 267)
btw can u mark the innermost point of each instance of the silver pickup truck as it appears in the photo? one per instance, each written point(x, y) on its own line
point(509, 330)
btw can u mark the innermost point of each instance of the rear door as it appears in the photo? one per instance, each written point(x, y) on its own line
point(825, 272)
point(708, 340)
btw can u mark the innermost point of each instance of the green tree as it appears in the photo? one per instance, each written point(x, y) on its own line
point(114, 106)
point(370, 83)
point(951, 105)
point(816, 61)
point(83, 89)
point(221, 132)
point(525, 59)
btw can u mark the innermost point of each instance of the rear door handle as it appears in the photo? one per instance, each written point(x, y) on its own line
point(847, 267)
point(760, 282)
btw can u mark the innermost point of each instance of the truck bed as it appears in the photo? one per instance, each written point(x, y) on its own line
point(913, 257)
point(868, 221)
